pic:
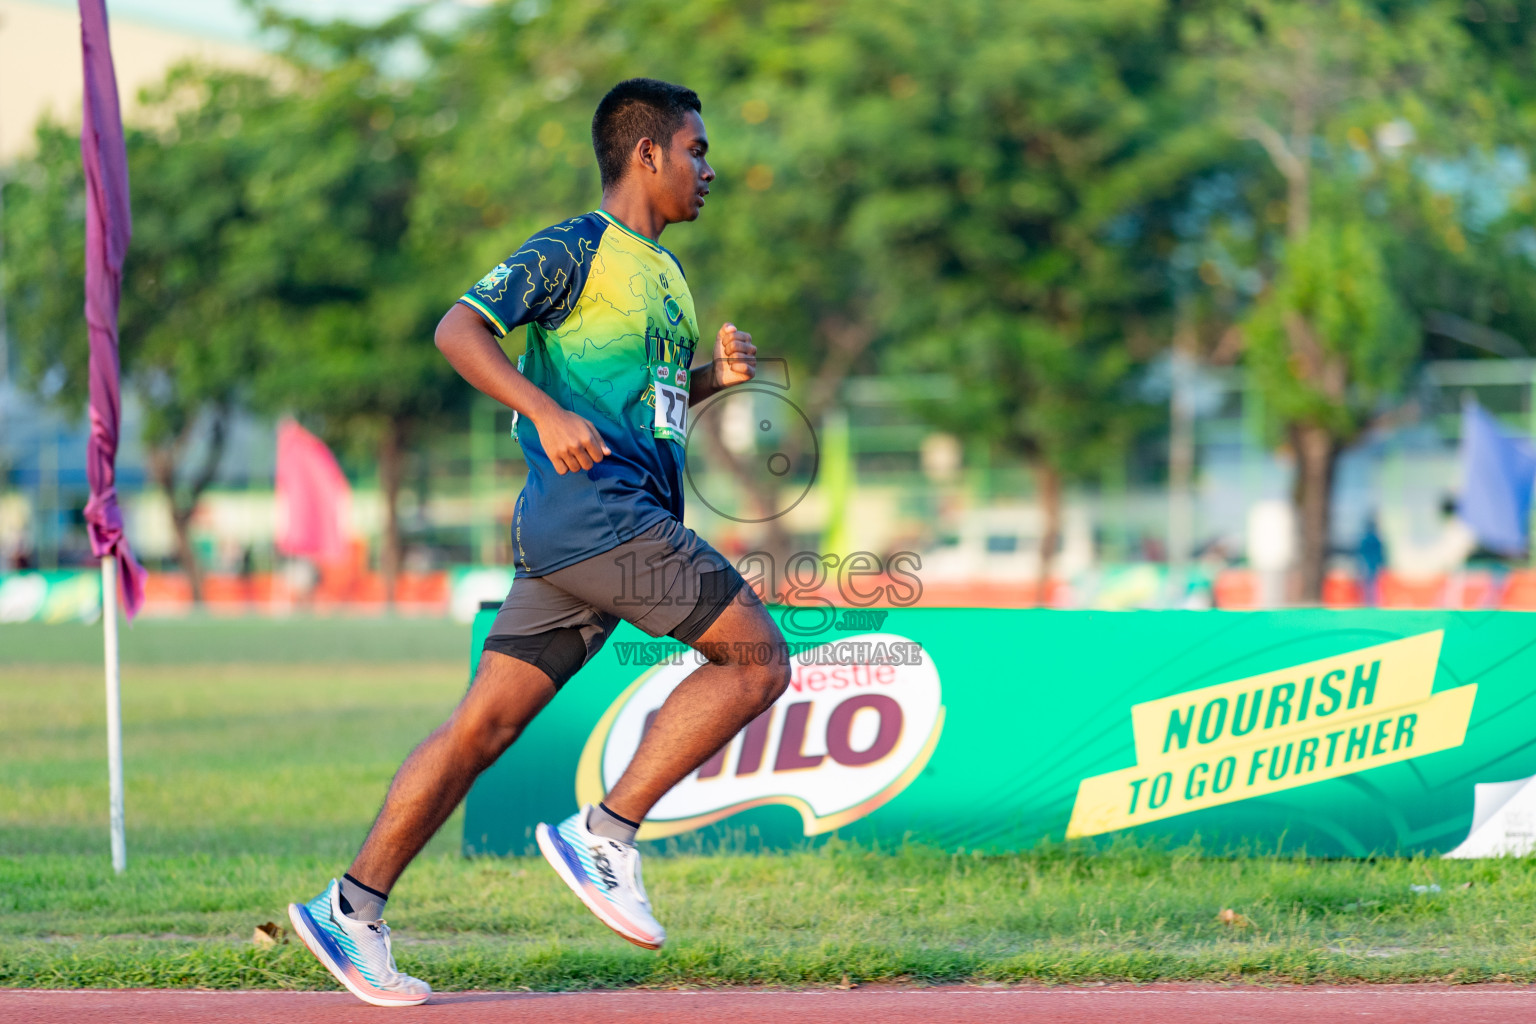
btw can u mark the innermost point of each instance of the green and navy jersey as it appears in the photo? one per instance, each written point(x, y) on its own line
point(611, 337)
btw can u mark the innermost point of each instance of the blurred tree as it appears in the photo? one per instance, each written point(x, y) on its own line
point(1347, 99)
point(985, 187)
point(1471, 268)
point(268, 264)
point(999, 192)
point(188, 337)
point(351, 304)
point(1012, 170)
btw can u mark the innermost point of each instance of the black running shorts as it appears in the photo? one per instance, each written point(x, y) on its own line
point(667, 581)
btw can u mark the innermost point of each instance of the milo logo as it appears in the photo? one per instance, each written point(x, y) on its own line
point(859, 721)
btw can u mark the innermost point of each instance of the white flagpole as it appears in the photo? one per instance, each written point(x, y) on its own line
point(114, 711)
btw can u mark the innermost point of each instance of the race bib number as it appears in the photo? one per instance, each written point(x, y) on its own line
point(671, 411)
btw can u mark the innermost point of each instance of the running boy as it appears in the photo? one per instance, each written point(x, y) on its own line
point(602, 397)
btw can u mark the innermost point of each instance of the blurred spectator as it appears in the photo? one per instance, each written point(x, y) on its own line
point(1446, 553)
point(1373, 556)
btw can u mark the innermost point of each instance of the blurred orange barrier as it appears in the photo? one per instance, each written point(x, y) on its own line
point(339, 589)
point(1520, 591)
point(1235, 590)
point(1400, 592)
point(1478, 588)
point(225, 592)
point(422, 588)
point(270, 588)
point(367, 588)
point(166, 592)
point(1343, 590)
point(335, 586)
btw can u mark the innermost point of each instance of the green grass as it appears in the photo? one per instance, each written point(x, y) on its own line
point(219, 759)
point(203, 639)
point(250, 784)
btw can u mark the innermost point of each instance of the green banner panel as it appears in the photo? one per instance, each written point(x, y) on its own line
point(1344, 733)
point(68, 595)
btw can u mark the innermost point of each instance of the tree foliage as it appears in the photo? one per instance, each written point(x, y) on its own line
point(1032, 199)
point(191, 315)
point(1351, 101)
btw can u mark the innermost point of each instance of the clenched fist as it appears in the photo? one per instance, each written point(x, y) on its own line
point(571, 441)
point(735, 356)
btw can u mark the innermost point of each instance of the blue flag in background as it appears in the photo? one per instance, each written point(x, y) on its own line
point(1498, 472)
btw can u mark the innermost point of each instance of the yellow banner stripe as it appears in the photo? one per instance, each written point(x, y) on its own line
point(1193, 781)
point(1294, 701)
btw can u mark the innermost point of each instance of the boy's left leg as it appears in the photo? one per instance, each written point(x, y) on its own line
point(353, 942)
point(506, 695)
point(539, 640)
point(717, 700)
point(697, 597)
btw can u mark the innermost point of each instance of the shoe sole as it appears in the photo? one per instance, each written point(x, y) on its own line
point(553, 847)
point(334, 960)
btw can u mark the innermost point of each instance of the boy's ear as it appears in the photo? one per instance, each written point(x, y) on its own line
point(646, 150)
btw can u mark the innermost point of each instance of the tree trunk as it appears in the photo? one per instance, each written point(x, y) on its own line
point(162, 467)
point(1049, 481)
point(1316, 449)
point(1317, 452)
point(162, 461)
point(391, 466)
point(186, 556)
point(1181, 453)
point(847, 340)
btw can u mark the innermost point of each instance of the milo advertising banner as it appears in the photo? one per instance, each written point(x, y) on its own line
point(1341, 733)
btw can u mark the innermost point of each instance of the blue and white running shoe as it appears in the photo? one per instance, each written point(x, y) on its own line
point(357, 953)
point(604, 874)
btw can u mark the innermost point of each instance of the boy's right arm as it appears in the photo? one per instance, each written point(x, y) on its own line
point(570, 441)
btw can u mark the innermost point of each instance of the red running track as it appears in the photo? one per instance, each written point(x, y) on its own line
point(1144, 1004)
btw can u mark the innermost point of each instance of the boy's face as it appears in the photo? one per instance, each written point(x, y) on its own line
point(685, 174)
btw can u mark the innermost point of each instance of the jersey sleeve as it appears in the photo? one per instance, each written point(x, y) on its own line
point(539, 283)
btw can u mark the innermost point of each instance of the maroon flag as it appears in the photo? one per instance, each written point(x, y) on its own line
point(108, 225)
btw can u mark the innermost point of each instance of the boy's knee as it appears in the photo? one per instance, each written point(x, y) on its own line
point(761, 665)
point(771, 676)
point(485, 736)
point(781, 673)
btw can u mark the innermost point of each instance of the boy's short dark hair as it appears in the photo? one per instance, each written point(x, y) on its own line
point(635, 109)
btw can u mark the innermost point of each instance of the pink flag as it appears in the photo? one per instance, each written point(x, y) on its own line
point(313, 497)
point(108, 225)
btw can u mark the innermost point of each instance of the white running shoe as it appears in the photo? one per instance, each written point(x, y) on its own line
point(604, 874)
point(356, 952)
